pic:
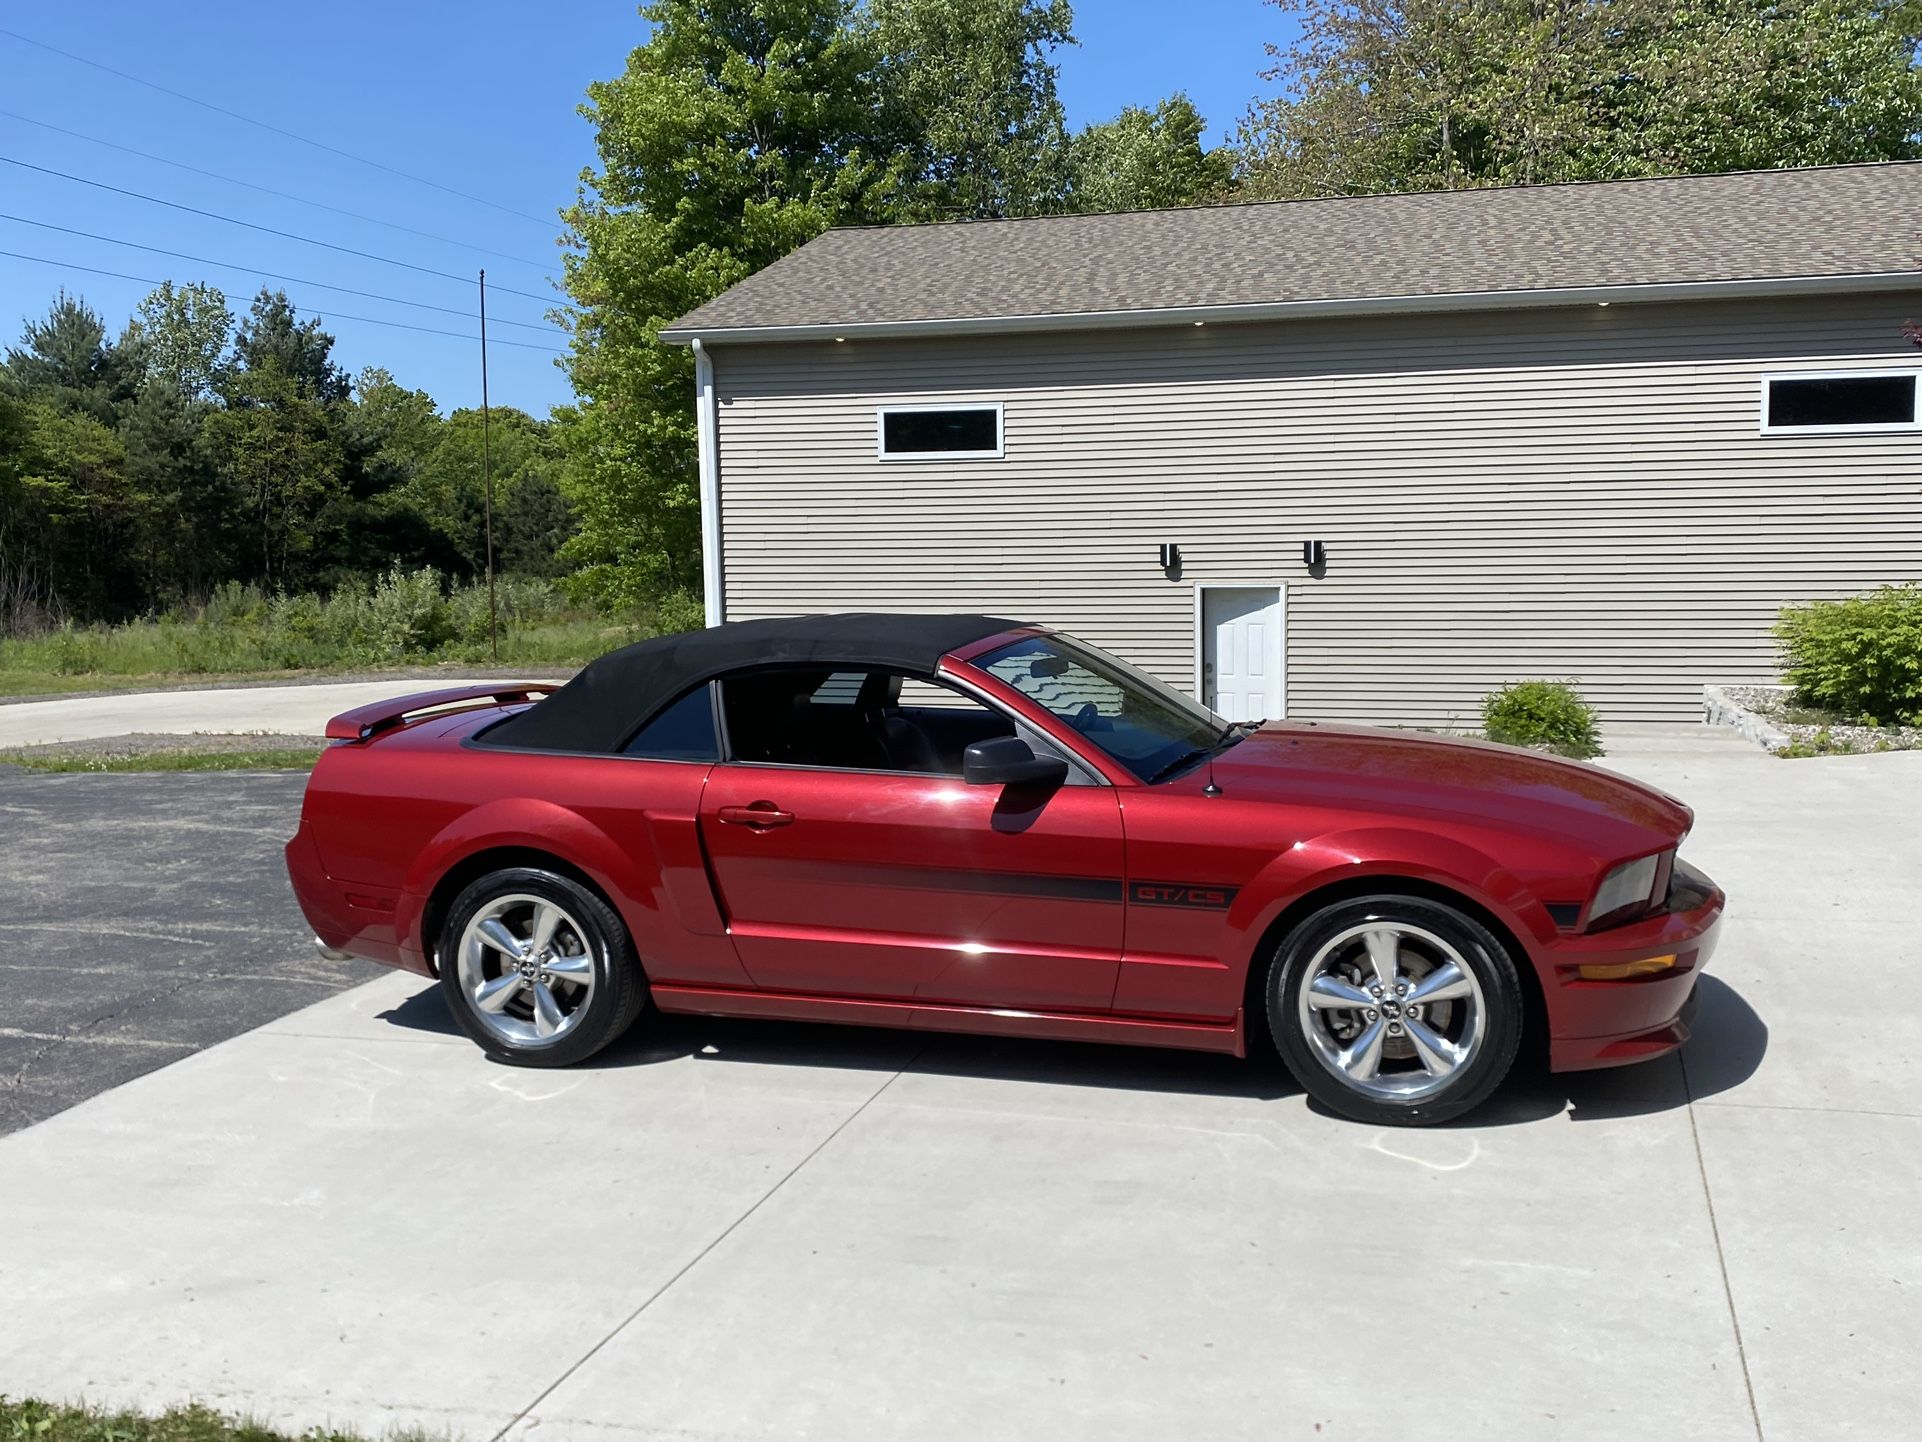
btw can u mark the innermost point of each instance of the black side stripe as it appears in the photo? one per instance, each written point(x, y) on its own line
point(985, 883)
point(1006, 883)
point(1200, 896)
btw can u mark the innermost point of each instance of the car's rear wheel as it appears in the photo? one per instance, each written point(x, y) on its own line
point(1395, 1009)
point(537, 968)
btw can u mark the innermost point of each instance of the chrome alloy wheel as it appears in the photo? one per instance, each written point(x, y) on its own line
point(1391, 1010)
point(526, 970)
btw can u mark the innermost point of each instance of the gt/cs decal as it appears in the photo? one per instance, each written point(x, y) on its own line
point(1181, 893)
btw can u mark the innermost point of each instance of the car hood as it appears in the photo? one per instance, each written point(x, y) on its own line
point(1372, 768)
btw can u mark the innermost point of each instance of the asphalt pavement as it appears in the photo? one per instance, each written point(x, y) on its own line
point(143, 918)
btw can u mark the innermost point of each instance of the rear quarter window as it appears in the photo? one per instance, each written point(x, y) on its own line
point(684, 731)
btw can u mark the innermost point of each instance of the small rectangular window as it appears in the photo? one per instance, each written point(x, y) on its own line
point(929, 432)
point(1838, 402)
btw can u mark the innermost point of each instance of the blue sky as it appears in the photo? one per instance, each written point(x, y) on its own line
point(478, 96)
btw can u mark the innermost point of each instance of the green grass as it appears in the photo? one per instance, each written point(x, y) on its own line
point(148, 655)
point(31, 1421)
point(279, 759)
point(144, 652)
point(400, 619)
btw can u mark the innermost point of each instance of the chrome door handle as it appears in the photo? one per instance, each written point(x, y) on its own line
point(760, 815)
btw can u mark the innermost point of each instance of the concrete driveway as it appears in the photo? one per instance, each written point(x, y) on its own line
point(735, 1230)
point(301, 710)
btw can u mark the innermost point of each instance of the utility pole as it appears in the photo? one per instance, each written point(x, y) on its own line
point(487, 485)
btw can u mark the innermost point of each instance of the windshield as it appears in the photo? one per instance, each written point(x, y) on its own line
point(1149, 728)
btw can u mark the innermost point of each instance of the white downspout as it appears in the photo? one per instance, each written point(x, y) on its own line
point(706, 429)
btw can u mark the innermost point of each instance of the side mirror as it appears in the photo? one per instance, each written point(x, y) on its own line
point(1010, 761)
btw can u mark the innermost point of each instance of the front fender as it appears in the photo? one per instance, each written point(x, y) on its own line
point(1390, 851)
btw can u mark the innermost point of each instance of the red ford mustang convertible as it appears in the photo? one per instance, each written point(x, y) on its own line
point(964, 823)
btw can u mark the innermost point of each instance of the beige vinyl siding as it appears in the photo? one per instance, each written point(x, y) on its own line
point(1574, 493)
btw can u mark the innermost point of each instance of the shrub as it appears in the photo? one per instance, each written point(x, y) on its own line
point(679, 611)
point(76, 651)
point(230, 604)
point(1549, 715)
point(405, 616)
point(1860, 658)
point(521, 601)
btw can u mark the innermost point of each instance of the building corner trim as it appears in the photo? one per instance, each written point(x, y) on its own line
point(707, 434)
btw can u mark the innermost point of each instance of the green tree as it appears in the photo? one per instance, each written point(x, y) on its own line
point(1144, 159)
point(25, 583)
point(528, 509)
point(76, 500)
point(373, 520)
point(272, 337)
point(278, 454)
point(968, 87)
point(180, 505)
point(532, 525)
point(66, 360)
point(187, 329)
point(395, 428)
point(278, 441)
point(1384, 95)
point(71, 519)
point(739, 130)
point(1733, 85)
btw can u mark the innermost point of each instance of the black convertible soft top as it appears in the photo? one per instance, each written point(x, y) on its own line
point(600, 709)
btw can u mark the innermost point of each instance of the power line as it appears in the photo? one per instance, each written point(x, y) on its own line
point(325, 315)
point(265, 125)
point(264, 229)
point(269, 190)
point(270, 274)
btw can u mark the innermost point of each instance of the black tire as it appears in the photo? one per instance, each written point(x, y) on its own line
point(619, 990)
point(1308, 1057)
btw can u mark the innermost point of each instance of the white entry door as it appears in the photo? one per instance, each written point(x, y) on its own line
point(1241, 651)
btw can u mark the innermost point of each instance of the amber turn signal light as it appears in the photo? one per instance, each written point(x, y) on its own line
point(1622, 970)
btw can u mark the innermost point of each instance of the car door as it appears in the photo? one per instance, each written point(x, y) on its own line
point(844, 872)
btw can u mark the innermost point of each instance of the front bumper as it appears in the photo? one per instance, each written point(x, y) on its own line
point(1613, 1023)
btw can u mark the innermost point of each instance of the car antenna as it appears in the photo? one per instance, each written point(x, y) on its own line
point(1211, 789)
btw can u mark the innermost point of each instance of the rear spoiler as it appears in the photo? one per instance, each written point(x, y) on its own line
point(365, 721)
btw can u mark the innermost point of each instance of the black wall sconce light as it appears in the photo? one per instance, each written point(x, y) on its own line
point(1313, 555)
point(1170, 555)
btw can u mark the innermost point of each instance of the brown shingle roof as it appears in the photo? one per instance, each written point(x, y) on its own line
point(1825, 223)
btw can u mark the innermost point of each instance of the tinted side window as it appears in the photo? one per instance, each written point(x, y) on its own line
point(853, 721)
point(683, 732)
point(1134, 718)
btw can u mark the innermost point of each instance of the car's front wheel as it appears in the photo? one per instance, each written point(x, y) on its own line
point(1395, 1009)
point(537, 968)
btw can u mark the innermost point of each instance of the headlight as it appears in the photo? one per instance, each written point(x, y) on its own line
point(1627, 891)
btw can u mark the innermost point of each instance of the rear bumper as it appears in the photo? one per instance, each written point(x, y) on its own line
point(343, 919)
point(1613, 1023)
